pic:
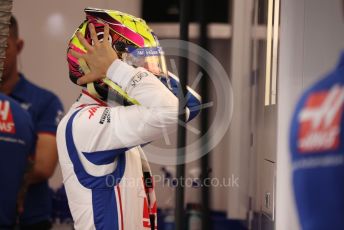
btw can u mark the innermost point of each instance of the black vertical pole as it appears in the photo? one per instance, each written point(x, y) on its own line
point(203, 41)
point(183, 73)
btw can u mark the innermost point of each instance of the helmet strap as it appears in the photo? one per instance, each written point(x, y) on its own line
point(92, 90)
point(90, 86)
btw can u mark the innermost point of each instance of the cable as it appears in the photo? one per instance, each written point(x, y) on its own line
point(5, 15)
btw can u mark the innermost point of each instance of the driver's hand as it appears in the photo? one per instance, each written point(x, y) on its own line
point(99, 57)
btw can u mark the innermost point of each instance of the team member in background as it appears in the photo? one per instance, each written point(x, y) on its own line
point(45, 110)
point(17, 139)
point(106, 174)
point(317, 147)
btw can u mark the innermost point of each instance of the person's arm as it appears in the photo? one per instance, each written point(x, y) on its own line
point(193, 99)
point(45, 153)
point(45, 159)
point(24, 186)
point(31, 142)
point(128, 126)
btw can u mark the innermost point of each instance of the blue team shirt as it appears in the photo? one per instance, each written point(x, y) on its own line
point(46, 111)
point(317, 148)
point(17, 139)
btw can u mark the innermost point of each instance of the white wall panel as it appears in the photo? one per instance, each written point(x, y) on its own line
point(239, 138)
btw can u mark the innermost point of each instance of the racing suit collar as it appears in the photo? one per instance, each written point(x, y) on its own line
point(86, 99)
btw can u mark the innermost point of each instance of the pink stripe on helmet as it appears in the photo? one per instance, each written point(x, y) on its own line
point(129, 34)
point(121, 29)
point(72, 58)
point(75, 48)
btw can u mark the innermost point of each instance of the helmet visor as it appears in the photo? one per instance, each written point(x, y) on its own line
point(150, 58)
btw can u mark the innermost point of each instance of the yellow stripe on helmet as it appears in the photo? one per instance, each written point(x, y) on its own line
point(137, 25)
point(75, 41)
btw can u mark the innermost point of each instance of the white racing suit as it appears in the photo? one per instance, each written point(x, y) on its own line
point(105, 172)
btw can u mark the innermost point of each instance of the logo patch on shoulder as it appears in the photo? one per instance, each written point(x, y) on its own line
point(92, 111)
point(6, 118)
point(319, 121)
point(106, 116)
point(138, 77)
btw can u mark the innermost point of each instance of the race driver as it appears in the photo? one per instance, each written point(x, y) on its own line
point(106, 174)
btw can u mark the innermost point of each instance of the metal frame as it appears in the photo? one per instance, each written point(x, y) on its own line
point(183, 75)
point(205, 160)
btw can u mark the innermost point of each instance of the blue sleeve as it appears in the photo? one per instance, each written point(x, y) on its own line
point(25, 126)
point(193, 100)
point(50, 116)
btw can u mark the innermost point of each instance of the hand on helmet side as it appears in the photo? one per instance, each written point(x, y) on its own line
point(99, 56)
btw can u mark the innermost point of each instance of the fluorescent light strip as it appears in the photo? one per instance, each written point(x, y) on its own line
point(268, 54)
point(275, 53)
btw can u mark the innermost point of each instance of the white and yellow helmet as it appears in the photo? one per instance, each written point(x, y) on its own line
point(133, 41)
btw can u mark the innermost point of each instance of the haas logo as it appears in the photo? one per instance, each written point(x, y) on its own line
point(320, 121)
point(6, 118)
point(92, 111)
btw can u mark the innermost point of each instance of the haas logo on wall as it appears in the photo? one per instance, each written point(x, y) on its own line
point(6, 118)
point(320, 120)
